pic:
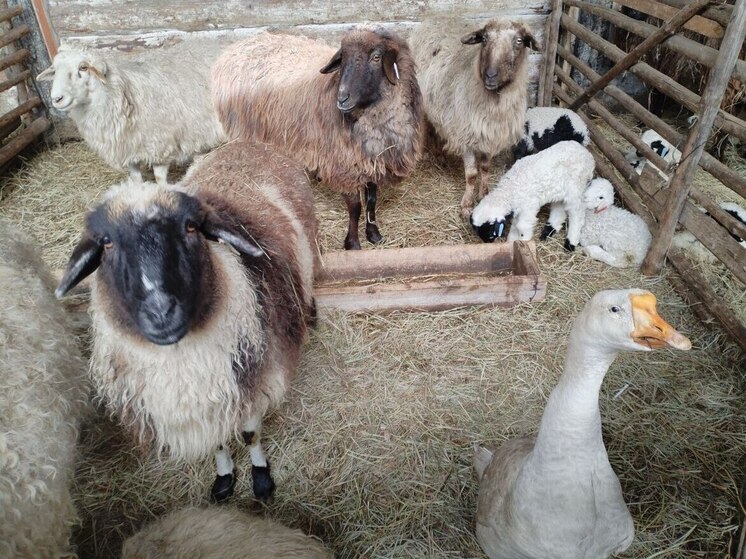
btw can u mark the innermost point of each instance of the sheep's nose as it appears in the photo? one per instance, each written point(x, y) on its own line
point(158, 309)
point(342, 96)
point(491, 74)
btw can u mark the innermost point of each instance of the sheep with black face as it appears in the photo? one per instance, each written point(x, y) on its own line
point(353, 116)
point(474, 84)
point(194, 340)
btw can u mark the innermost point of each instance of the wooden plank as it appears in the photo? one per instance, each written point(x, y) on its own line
point(717, 169)
point(524, 259)
point(22, 140)
point(415, 262)
point(13, 35)
point(433, 295)
point(728, 123)
point(694, 146)
point(551, 37)
point(43, 19)
point(15, 80)
point(719, 12)
point(698, 24)
point(683, 45)
point(665, 31)
point(21, 109)
point(10, 13)
point(12, 59)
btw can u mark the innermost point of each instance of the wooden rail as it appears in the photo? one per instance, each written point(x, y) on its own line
point(22, 140)
point(9, 13)
point(13, 35)
point(698, 24)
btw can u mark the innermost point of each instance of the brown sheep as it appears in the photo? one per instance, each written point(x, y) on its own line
point(194, 340)
point(357, 125)
point(475, 98)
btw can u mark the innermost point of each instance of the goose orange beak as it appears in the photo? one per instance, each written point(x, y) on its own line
point(650, 329)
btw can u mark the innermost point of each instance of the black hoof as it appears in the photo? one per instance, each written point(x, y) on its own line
point(222, 489)
point(352, 245)
point(547, 232)
point(373, 235)
point(569, 247)
point(264, 485)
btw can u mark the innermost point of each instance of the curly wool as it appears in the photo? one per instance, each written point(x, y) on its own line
point(143, 113)
point(227, 533)
point(43, 397)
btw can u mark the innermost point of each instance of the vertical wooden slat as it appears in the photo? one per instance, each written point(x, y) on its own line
point(551, 38)
point(708, 107)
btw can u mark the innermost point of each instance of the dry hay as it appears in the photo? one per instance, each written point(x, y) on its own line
point(372, 449)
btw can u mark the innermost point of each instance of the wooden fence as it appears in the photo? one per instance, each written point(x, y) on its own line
point(665, 206)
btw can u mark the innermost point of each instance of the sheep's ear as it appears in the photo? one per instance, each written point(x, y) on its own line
point(215, 228)
point(389, 66)
point(47, 75)
point(98, 69)
point(529, 40)
point(473, 38)
point(85, 259)
point(334, 64)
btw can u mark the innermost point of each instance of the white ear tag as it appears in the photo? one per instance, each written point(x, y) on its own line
point(396, 70)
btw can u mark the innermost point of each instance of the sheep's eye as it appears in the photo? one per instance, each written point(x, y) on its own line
point(106, 242)
point(615, 309)
point(376, 57)
point(600, 197)
point(190, 227)
point(83, 67)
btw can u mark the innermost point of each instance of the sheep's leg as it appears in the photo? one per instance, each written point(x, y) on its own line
point(225, 480)
point(354, 207)
point(575, 222)
point(523, 225)
point(484, 174)
point(557, 217)
point(371, 227)
point(598, 253)
point(134, 170)
point(161, 174)
point(471, 172)
point(264, 486)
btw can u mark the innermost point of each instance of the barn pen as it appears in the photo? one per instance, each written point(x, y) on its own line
point(371, 451)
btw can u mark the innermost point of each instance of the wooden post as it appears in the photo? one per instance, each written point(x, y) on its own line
point(551, 38)
point(708, 107)
point(668, 29)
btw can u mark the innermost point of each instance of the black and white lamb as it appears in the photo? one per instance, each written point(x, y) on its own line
point(133, 112)
point(194, 340)
point(659, 145)
point(546, 126)
point(557, 176)
point(43, 398)
point(689, 243)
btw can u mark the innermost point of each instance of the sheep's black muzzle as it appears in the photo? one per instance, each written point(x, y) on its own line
point(490, 230)
point(162, 320)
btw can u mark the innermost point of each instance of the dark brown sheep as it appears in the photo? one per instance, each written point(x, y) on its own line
point(354, 116)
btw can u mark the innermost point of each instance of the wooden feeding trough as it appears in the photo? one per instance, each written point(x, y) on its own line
point(430, 278)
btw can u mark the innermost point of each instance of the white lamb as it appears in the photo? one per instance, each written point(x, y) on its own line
point(134, 112)
point(557, 176)
point(659, 145)
point(611, 234)
point(43, 389)
point(546, 126)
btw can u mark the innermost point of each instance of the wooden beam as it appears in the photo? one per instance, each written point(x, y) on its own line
point(39, 59)
point(15, 80)
point(709, 105)
point(698, 24)
point(551, 38)
point(13, 35)
point(12, 59)
point(10, 13)
point(726, 175)
point(660, 35)
point(21, 109)
point(717, 12)
point(728, 123)
point(41, 11)
point(698, 52)
point(22, 140)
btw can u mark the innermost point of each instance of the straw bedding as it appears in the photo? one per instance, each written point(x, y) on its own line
point(372, 449)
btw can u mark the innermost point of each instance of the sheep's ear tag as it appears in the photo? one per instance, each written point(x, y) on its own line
point(396, 70)
point(500, 229)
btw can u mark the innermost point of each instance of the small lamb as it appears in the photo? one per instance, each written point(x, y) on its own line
point(557, 176)
point(546, 126)
point(134, 113)
point(696, 250)
point(658, 144)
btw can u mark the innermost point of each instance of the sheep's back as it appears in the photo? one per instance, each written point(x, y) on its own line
point(42, 399)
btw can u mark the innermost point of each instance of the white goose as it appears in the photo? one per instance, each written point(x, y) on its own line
point(557, 497)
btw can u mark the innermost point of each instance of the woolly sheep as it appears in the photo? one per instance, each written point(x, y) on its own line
point(43, 394)
point(658, 144)
point(194, 340)
point(689, 243)
point(228, 533)
point(545, 126)
point(557, 176)
point(475, 98)
point(134, 113)
point(353, 116)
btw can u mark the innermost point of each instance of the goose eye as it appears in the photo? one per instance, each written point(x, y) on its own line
point(106, 242)
point(190, 227)
point(615, 309)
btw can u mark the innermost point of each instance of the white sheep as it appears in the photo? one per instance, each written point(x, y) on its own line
point(135, 112)
point(475, 96)
point(557, 176)
point(691, 245)
point(194, 340)
point(43, 390)
point(611, 234)
point(228, 533)
point(659, 145)
point(546, 126)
